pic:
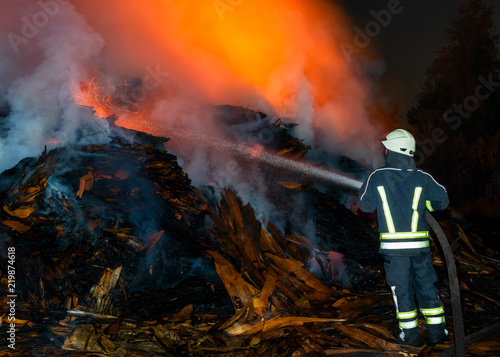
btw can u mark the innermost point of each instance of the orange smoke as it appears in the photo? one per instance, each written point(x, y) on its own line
point(282, 55)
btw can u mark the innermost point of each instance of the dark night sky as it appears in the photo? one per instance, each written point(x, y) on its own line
point(407, 44)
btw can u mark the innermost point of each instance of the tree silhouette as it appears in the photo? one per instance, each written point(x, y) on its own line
point(456, 118)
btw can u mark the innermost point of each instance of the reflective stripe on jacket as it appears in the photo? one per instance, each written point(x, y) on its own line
point(400, 195)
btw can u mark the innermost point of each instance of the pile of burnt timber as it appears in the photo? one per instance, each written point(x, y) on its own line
point(117, 254)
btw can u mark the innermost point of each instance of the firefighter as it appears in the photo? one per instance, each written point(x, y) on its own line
point(400, 193)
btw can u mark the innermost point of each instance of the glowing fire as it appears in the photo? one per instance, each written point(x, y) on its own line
point(53, 141)
point(90, 94)
point(285, 55)
point(256, 150)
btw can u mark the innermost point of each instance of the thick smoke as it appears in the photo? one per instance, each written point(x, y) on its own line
point(47, 47)
point(164, 65)
point(280, 57)
point(167, 62)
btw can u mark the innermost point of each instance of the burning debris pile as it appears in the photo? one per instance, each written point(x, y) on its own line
point(117, 253)
point(111, 246)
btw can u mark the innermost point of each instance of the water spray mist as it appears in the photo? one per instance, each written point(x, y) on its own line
point(247, 152)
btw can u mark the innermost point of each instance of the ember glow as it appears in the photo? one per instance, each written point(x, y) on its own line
point(90, 94)
point(53, 141)
point(256, 150)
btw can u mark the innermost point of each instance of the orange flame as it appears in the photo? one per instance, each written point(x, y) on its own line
point(90, 94)
point(256, 150)
point(283, 55)
point(53, 141)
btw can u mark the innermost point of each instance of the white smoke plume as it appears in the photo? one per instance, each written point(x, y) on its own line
point(170, 59)
point(47, 47)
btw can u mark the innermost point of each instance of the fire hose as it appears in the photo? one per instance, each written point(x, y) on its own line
point(456, 307)
point(458, 348)
point(456, 310)
point(342, 180)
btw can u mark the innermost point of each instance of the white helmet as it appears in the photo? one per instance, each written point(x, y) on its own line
point(400, 141)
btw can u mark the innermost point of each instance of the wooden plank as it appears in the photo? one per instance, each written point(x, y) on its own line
point(16, 225)
point(239, 313)
point(290, 185)
point(245, 329)
point(238, 289)
point(20, 212)
point(269, 244)
point(368, 339)
point(151, 242)
point(86, 183)
point(310, 283)
point(359, 352)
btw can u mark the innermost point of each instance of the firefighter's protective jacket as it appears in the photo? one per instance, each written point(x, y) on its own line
point(401, 193)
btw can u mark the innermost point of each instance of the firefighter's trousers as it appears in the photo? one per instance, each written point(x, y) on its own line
point(406, 275)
